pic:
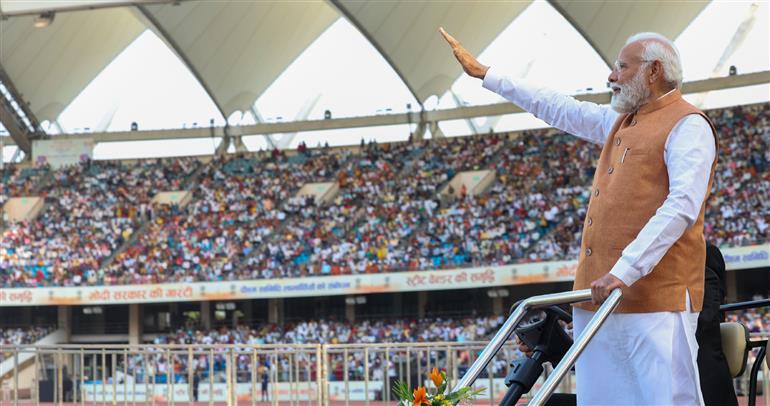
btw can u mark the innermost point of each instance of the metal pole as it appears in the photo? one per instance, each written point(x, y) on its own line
point(37, 379)
point(234, 380)
point(323, 376)
point(94, 370)
point(145, 378)
point(254, 366)
point(15, 376)
point(513, 320)
point(766, 381)
point(133, 381)
point(104, 376)
point(386, 376)
point(82, 378)
point(366, 374)
point(169, 377)
point(211, 376)
point(455, 369)
point(571, 356)
point(292, 387)
point(125, 376)
point(154, 376)
point(491, 386)
point(274, 376)
point(190, 380)
point(448, 367)
point(408, 367)
point(114, 377)
point(308, 379)
point(347, 380)
point(228, 379)
point(419, 368)
point(296, 378)
point(59, 376)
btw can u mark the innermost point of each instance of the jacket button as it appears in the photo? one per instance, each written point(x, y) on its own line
point(610, 170)
point(590, 221)
point(588, 252)
point(617, 141)
point(596, 192)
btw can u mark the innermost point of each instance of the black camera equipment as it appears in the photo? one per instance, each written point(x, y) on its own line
point(543, 334)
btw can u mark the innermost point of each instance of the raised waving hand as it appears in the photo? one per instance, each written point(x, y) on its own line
point(470, 64)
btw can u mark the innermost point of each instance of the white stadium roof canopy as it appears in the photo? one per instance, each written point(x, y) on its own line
point(237, 49)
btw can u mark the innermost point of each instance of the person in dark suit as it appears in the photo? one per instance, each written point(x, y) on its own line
point(715, 380)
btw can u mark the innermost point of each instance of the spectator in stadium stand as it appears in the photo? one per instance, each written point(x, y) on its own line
point(21, 335)
point(382, 221)
point(653, 176)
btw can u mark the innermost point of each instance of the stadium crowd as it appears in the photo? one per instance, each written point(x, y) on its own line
point(739, 208)
point(19, 336)
point(236, 206)
point(386, 193)
point(16, 181)
point(91, 210)
point(340, 332)
point(394, 210)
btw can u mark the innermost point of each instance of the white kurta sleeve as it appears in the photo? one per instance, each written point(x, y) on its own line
point(689, 153)
point(588, 121)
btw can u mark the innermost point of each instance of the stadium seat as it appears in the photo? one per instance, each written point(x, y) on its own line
point(735, 338)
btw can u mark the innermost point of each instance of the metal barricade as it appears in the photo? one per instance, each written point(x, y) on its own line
point(367, 372)
point(228, 374)
point(301, 375)
point(163, 374)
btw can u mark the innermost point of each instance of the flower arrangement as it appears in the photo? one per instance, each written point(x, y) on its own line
point(434, 396)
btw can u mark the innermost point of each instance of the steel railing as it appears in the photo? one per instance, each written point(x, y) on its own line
point(310, 374)
point(537, 302)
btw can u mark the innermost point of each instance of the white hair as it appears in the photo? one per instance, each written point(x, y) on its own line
point(659, 48)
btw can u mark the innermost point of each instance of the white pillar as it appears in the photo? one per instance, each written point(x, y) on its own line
point(206, 314)
point(64, 321)
point(350, 312)
point(275, 310)
point(422, 301)
point(134, 324)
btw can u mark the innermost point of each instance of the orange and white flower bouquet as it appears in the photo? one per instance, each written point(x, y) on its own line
point(433, 396)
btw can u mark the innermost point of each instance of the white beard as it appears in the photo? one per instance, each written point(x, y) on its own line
point(632, 95)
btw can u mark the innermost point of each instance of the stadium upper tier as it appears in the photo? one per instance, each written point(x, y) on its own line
point(395, 209)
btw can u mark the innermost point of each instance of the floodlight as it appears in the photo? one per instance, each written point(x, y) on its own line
point(44, 19)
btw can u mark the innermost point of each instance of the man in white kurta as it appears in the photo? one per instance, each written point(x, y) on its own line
point(636, 358)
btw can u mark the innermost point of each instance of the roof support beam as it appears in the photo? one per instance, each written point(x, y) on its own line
point(38, 7)
point(161, 31)
point(10, 122)
point(475, 128)
point(352, 19)
point(420, 117)
point(16, 115)
point(567, 16)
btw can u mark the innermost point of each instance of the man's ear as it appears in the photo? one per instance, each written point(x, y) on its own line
point(656, 71)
